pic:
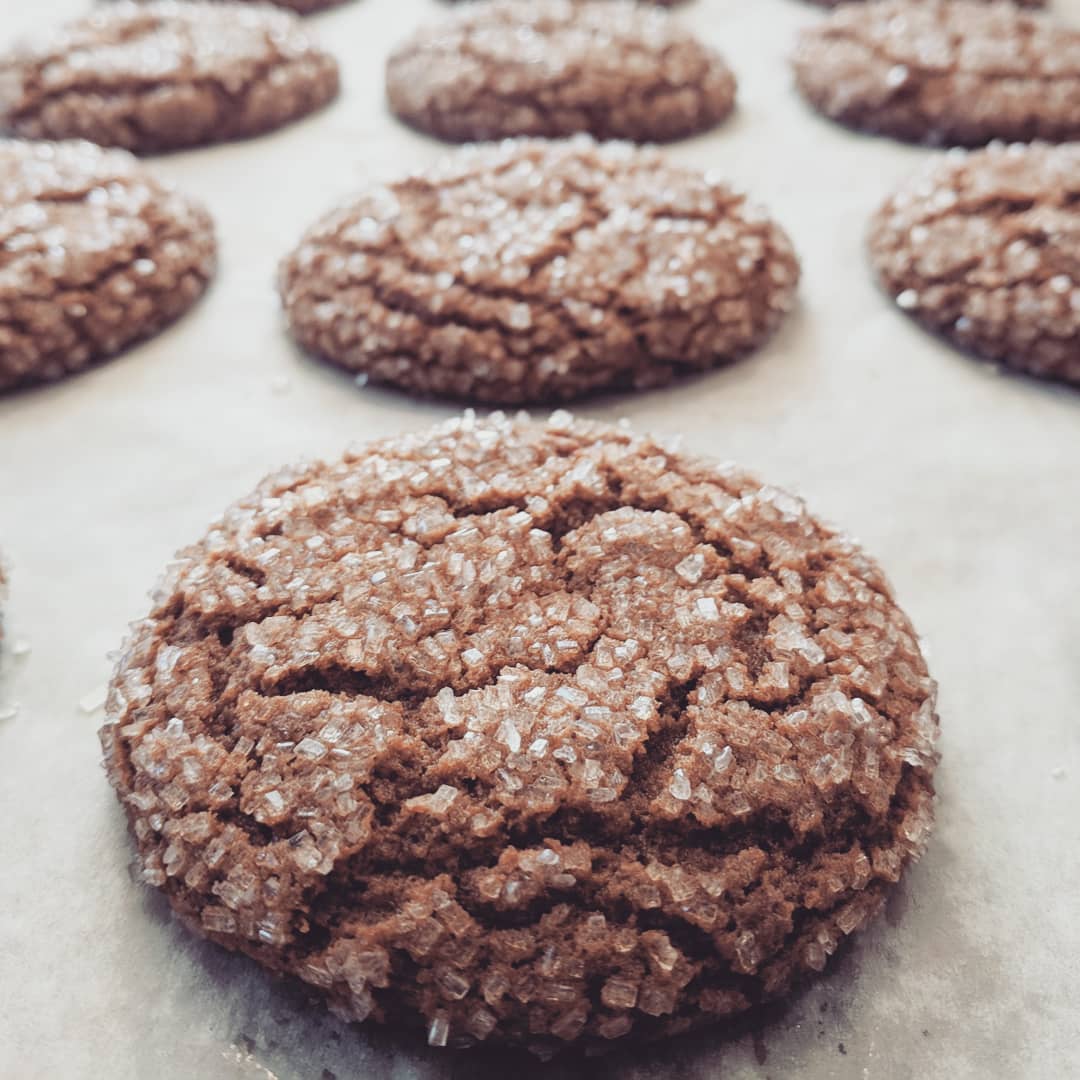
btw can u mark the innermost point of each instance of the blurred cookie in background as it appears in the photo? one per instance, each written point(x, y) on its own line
point(165, 75)
point(984, 249)
point(617, 70)
point(944, 72)
point(98, 254)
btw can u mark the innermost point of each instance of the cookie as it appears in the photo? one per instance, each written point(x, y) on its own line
point(527, 734)
point(165, 75)
point(98, 254)
point(548, 68)
point(536, 271)
point(984, 248)
point(957, 72)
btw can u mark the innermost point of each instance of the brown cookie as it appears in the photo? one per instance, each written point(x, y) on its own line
point(984, 248)
point(97, 255)
point(532, 734)
point(535, 271)
point(954, 72)
point(617, 70)
point(165, 75)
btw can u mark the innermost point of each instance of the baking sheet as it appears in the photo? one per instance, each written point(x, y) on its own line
point(963, 482)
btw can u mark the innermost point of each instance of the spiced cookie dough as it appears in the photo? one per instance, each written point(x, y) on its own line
point(164, 75)
point(536, 271)
point(531, 734)
point(617, 70)
point(984, 248)
point(98, 254)
point(956, 72)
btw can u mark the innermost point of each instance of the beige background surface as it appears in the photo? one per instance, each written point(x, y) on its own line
point(963, 482)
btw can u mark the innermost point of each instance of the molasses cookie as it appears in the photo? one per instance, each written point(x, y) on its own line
point(97, 255)
point(530, 734)
point(617, 70)
point(165, 75)
point(535, 271)
point(984, 248)
point(954, 72)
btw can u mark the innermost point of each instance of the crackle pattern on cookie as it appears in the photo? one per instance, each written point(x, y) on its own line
point(557, 67)
point(164, 75)
point(985, 249)
point(95, 253)
point(540, 271)
point(956, 72)
point(530, 733)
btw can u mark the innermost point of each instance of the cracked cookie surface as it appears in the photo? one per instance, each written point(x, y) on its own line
point(957, 72)
point(558, 67)
point(984, 248)
point(164, 75)
point(95, 254)
point(536, 271)
point(525, 733)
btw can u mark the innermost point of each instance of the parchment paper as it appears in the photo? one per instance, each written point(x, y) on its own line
point(964, 483)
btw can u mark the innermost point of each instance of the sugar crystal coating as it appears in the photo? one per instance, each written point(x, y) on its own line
point(556, 67)
point(957, 72)
point(535, 271)
point(96, 254)
point(984, 248)
point(614, 817)
point(165, 75)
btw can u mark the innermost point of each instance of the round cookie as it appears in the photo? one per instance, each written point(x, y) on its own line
point(984, 248)
point(530, 734)
point(957, 72)
point(165, 75)
point(98, 254)
point(547, 68)
point(536, 271)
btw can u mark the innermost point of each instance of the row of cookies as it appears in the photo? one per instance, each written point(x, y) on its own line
point(168, 74)
point(164, 75)
point(534, 271)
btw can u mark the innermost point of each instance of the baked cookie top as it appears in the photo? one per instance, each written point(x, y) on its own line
point(984, 248)
point(530, 733)
point(97, 253)
point(548, 68)
point(165, 75)
point(957, 72)
point(536, 271)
